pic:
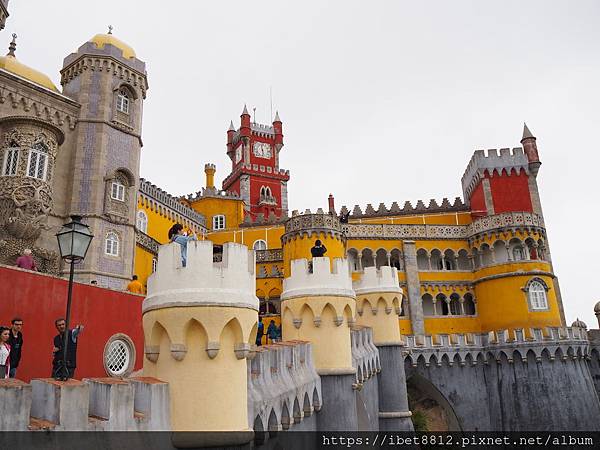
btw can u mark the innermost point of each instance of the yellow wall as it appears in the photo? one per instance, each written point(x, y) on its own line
point(232, 209)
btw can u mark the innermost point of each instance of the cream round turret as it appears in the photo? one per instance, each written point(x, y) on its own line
point(378, 300)
point(198, 321)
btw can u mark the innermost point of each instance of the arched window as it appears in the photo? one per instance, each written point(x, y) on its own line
point(268, 191)
point(117, 191)
point(259, 245)
point(123, 101)
point(11, 160)
point(537, 295)
point(219, 222)
point(112, 244)
point(154, 264)
point(37, 166)
point(142, 221)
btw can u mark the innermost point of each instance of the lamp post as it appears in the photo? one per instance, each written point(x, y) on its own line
point(73, 242)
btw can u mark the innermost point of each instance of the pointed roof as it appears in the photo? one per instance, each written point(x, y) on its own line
point(277, 119)
point(526, 133)
point(245, 111)
point(231, 127)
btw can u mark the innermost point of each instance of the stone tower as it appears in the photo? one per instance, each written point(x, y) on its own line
point(318, 305)
point(255, 174)
point(198, 321)
point(378, 300)
point(109, 82)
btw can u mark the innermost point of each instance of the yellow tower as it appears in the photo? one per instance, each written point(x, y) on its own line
point(378, 300)
point(301, 232)
point(198, 321)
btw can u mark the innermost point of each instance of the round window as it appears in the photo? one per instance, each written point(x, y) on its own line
point(119, 356)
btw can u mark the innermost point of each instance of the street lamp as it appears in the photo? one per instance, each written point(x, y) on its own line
point(73, 242)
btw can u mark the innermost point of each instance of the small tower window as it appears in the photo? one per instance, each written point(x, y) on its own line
point(11, 160)
point(154, 264)
point(260, 244)
point(142, 221)
point(537, 295)
point(37, 165)
point(123, 101)
point(117, 191)
point(112, 244)
point(219, 222)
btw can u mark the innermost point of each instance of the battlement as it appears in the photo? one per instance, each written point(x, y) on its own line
point(260, 219)
point(321, 278)
point(407, 209)
point(229, 282)
point(212, 193)
point(569, 342)
point(282, 380)
point(494, 163)
point(94, 404)
point(158, 195)
point(256, 169)
point(384, 279)
point(365, 355)
point(308, 223)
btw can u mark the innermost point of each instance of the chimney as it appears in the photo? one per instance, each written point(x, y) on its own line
point(331, 204)
point(209, 170)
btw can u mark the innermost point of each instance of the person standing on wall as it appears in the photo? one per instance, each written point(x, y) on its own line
point(15, 341)
point(134, 286)
point(176, 234)
point(260, 331)
point(272, 331)
point(318, 250)
point(57, 351)
point(4, 352)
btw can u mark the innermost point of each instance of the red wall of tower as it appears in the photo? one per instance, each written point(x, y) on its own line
point(510, 192)
point(477, 201)
point(41, 299)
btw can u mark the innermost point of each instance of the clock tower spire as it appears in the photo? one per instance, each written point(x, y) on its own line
point(255, 174)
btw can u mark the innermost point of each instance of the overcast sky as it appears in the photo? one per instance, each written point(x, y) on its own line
point(381, 101)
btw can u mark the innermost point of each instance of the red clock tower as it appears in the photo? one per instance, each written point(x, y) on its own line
point(255, 174)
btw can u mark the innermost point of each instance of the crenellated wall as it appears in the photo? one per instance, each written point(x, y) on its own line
point(520, 380)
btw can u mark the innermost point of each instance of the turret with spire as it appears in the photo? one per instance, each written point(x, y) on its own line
point(530, 149)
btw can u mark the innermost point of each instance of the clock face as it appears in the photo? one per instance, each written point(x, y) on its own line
point(238, 154)
point(262, 150)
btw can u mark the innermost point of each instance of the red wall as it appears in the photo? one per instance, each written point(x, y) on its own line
point(511, 192)
point(477, 201)
point(41, 299)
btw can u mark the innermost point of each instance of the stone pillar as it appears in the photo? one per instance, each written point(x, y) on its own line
point(319, 307)
point(413, 288)
point(509, 253)
point(382, 317)
point(199, 321)
point(64, 403)
point(487, 195)
point(15, 398)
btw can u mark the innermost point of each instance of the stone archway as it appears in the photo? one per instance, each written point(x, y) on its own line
point(429, 406)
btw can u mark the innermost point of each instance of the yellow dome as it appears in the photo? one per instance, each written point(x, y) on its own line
point(12, 65)
point(102, 39)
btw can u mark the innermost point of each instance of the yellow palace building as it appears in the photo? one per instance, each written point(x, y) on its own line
point(477, 264)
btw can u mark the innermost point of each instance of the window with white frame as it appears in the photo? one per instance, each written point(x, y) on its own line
point(119, 355)
point(537, 295)
point(11, 160)
point(37, 165)
point(123, 101)
point(260, 244)
point(154, 264)
point(219, 222)
point(142, 221)
point(112, 244)
point(117, 191)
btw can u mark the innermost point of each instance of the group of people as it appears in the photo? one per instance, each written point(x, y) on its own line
point(11, 346)
point(273, 332)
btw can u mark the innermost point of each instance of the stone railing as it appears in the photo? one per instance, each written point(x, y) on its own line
point(94, 404)
point(282, 380)
point(308, 220)
point(365, 356)
point(146, 242)
point(505, 220)
point(273, 255)
point(392, 231)
point(400, 231)
point(562, 343)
